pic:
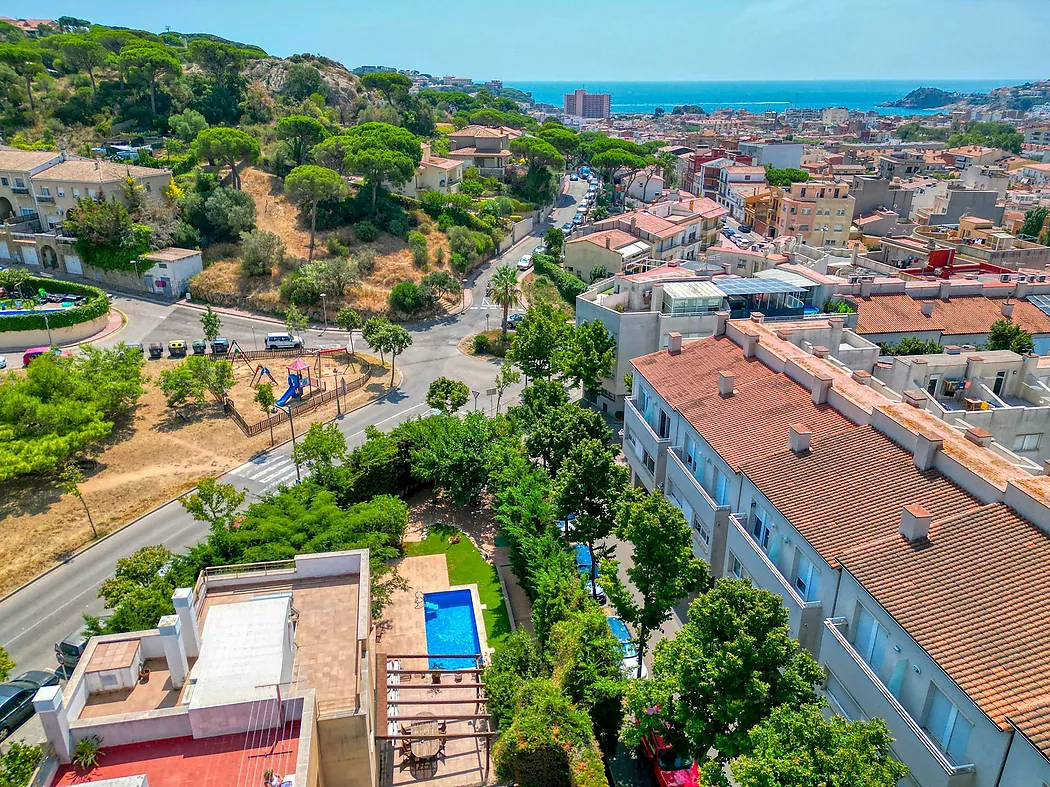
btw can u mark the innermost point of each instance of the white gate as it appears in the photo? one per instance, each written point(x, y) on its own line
point(73, 265)
point(29, 255)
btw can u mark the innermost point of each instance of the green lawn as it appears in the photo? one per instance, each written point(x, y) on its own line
point(467, 566)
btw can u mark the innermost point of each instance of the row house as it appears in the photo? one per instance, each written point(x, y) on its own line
point(910, 554)
point(676, 228)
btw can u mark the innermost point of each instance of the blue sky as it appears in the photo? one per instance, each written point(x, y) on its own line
point(666, 40)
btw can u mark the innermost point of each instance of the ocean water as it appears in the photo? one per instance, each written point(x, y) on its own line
point(862, 95)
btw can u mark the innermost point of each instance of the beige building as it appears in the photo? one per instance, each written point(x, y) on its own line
point(46, 185)
point(483, 147)
point(677, 228)
point(609, 250)
point(819, 212)
point(434, 173)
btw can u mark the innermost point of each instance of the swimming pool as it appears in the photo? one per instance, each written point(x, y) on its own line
point(451, 628)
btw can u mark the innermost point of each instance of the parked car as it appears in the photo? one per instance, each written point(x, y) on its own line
point(283, 341)
point(199, 346)
point(541, 249)
point(566, 227)
point(16, 698)
point(669, 768)
point(745, 228)
point(577, 219)
point(630, 649)
point(156, 350)
point(729, 233)
point(140, 347)
point(584, 561)
point(525, 262)
point(3, 362)
point(574, 177)
point(177, 348)
point(514, 320)
point(220, 346)
point(594, 590)
point(71, 648)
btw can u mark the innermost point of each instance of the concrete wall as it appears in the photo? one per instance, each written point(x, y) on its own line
point(1024, 764)
point(345, 744)
point(10, 340)
point(127, 728)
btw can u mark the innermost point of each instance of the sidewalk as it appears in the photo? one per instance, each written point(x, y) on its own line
point(117, 321)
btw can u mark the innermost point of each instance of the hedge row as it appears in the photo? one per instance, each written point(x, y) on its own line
point(569, 286)
point(96, 306)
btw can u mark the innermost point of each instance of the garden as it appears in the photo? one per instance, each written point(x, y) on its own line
point(25, 299)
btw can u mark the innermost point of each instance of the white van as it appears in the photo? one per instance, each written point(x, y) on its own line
point(283, 341)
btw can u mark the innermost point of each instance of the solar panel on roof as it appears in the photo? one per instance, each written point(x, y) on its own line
point(755, 286)
point(1041, 302)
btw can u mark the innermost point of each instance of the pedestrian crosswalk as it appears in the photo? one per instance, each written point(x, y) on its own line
point(278, 471)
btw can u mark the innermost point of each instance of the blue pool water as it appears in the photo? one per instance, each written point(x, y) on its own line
point(451, 628)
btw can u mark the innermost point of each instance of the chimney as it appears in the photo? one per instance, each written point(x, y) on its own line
point(927, 308)
point(915, 522)
point(926, 448)
point(914, 398)
point(784, 334)
point(725, 384)
point(865, 288)
point(720, 323)
point(979, 436)
point(634, 224)
point(862, 377)
point(182, 598)
point(801, 437)
point(174, 651)
point(952, 349)
point(944, 289)
point(608, 242)
point(1007, 309)
point(757, 317)
point(820, 351)
point(749, 345)
point(674, 343)
point(54, 718)
point(821, 388)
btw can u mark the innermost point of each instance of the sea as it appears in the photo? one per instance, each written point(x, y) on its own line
point(861, 95)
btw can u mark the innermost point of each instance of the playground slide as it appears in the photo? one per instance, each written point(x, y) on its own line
point(295, 390)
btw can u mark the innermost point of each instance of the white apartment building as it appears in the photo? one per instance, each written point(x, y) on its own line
point(911, 555)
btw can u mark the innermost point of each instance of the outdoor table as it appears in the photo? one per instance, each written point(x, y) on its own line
point(425, 748)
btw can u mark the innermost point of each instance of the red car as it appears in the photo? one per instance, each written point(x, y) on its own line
point(670, 769)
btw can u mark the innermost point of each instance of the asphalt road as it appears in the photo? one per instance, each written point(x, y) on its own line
point(35, 617)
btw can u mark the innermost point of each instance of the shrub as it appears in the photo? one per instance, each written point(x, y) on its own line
point(300, 289)
point(260, 252)
point(408, 297)
point(96, 305)
point(446, 222)
point(426, 228)
point(397, 227)
point(569, 286)
point(442, 282)
point(365, 262)
point(417, 241)
point(439, 255)
point(481, 343)
point(366, 231)
point(87, 752)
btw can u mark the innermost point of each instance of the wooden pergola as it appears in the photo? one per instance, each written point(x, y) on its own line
point(447, 687)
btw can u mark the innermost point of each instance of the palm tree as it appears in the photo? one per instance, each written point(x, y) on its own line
point(503, 291)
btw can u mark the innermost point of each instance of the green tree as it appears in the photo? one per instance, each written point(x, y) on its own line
point(187, 124)
point(538, 338)
point(80, 52)
point(350, 321)
point(18, 764)
point(785, 177)
point(389, 83)
point(69, 481)
point(617, 161)
point(332, 152)
point(1005, 335)
point(265, 399)
point(515, 660)
point(663, 569)
point(455, 456)
point(557, 432)
point(229, 146)
point(211, 323)
point(25, 61)
point(910, 345)
point(588, 356)
point(380, 152)
point(294, 320)
point(373, 331)
point(301, 132)
point(798, 747)
point(554, 240)
point(536, 152)
point(223, 61)
point(304, 80)
point(563, 140)
point(149, 62)
point(503, 291)
point(261, 252)
point(179, 385)
point(310, 184)
point(320, 448)
point(213, 503)
point(7, 665)
point(505, 378)
point(589, 484)
point(447, 395)
point(725, 671)
point(395, 341)
point(1034, 219)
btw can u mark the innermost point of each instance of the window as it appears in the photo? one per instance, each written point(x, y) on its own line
point(947, 726)
point(870, 641)
point(76, 192)
point(807, 579)
point(838, 228)
point(3, 182)
point(701, 529)
point(841, 212)
point(735, 568)
point(61, 192)
point(664, 425)
point(649, 463)
point(45, 191)
point(690, 454)
point(806, 211)
point(803, 228)
point(721, 488)
point(1026, 442)
point(20, 183)
point(760, 526)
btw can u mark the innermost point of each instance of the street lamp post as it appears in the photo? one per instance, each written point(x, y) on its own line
point(47, 325)
point(324, 310)
point(255, 339)
point(291, 423)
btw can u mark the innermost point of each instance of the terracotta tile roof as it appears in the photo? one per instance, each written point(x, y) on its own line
point(476, 152)
point(974, 596)
point(754, 422)
point(442, 163)
point(617, 238)
point(1032, 719)
point(479, 131)
point(83, 170)
point(967, 314)
point(830, 494)
point(694, 372)
point(16, 160)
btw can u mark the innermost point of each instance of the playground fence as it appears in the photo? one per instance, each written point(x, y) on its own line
point(315, 401)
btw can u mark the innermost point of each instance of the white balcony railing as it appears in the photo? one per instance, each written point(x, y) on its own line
point(803, 616)
point(929, 766)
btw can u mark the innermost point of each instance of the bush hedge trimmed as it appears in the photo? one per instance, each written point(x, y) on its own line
point(569, 286)
point(96, 306)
